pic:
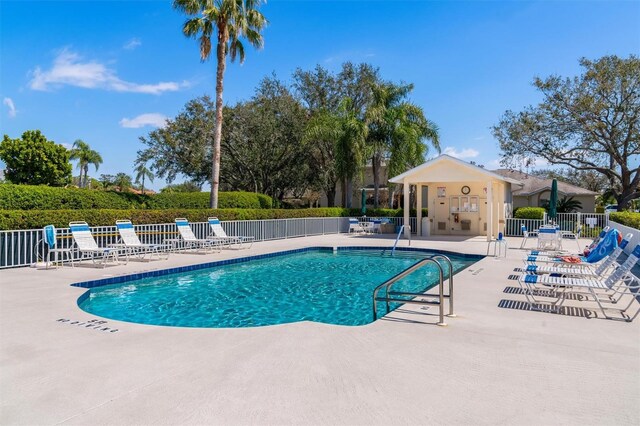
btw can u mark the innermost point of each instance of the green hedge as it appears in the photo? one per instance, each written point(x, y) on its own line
point(630, 219)
point(200, 200)
point(529, 213)
point(28, 197)
point(32, 219)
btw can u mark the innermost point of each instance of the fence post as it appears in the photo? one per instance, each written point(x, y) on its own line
point(544, 218)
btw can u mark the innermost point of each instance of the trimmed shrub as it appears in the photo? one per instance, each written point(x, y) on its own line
point(29, 197)
point(630, 219)
point(200, 200)
point(529, 213)
point(32, 219)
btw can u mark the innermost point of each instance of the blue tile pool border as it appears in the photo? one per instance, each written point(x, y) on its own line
point(161, 272)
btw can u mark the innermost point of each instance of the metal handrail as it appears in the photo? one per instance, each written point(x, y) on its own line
point(398, 237)
point(387, 285)
point(446, 259)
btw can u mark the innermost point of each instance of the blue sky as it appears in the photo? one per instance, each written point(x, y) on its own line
point(107, 72)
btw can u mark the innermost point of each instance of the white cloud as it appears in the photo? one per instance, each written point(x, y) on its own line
point(149, 119)
point(12, 108)
point(68, 69)
point(132, 44)
point(462, 154)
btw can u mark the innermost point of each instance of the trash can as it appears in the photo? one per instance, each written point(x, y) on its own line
point(426, 227)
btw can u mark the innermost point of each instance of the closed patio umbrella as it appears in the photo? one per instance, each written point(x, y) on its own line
point(364, 202)
point(553, 200)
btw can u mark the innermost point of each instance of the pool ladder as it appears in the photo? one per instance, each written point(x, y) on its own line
point(402, 228)
point(392, 296)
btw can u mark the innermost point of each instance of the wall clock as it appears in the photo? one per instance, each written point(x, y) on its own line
point(466, 190)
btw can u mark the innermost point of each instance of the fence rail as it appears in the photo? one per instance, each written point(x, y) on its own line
point(25, 247)
point(592, 223)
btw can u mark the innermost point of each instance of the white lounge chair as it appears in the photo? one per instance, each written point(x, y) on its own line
point(598, 269)
point(218, 233)
point(604, 291)
point(135, 247)
point(355, 226)
point(190, 241)
point(87, 246)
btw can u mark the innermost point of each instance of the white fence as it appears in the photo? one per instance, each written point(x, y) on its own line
point(592, 223)
point(25, 247)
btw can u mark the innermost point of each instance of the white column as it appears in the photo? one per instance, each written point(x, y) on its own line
point(405, 188)
point(489, 211)
point(419, 209)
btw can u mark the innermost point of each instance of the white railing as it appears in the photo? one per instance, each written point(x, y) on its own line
point(26, 247)
point(592, 223)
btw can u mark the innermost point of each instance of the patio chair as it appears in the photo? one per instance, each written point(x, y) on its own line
point(189, 239)
point(526, 235)
point(134, 246)
point(614, 287)
point(573, 235)
point(218, 233)
point(87, 245)
point(601, 268)
point(605, 246)
point(548, 238)
point(49, 233)
point(355, 226)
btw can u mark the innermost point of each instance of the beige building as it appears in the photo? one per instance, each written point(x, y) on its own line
point(534, 190)
point(461, 198)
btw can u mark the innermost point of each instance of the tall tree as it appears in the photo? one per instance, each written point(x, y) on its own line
point(183, 145)
point(82, 152)
point(122, 181)
point(143, 173)
point(34, 160)
point(397, 130)
point(231, 20)
point(590, 122)
point(324, 94)
point(263, 143)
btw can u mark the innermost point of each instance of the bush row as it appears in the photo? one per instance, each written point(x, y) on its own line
point(529, 213)
point(32, 219)
point(630, 219)
point(27, 197)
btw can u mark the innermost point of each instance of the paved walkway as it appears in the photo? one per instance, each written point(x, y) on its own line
point(496, 363)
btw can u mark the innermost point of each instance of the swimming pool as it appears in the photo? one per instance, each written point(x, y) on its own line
point(315, 284)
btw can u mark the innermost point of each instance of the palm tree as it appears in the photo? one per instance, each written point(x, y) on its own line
point(122, 181)
point(344, 159)
point(142, 173)
point(563, 205)
point(397, 129)
point(82, 152)
point(231, 20)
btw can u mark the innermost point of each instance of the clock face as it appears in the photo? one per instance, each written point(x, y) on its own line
point(466, 190)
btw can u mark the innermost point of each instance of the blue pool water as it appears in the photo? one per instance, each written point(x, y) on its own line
point(316, 285)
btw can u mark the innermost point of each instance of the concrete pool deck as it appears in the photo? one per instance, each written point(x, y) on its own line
point(496, 363)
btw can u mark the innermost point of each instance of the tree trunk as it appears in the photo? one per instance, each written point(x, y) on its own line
point(331, 196)
point(349, 191)
point(215, 166)
point(86, 176)
point(142, 184)
point(375, 168)
point(343, 187)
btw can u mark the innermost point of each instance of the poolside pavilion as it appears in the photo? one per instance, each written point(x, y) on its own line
point(461, 198)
